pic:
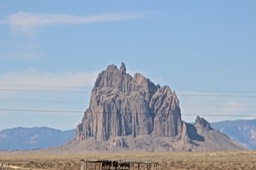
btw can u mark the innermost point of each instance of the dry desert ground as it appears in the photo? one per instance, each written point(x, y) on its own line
point(35, 160)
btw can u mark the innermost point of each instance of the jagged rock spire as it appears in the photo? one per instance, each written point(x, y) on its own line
point(202, 123)
point(123, 68)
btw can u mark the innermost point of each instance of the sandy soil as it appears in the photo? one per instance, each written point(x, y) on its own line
point(38, 160)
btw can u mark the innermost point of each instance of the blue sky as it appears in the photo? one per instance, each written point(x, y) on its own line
point(52, 51)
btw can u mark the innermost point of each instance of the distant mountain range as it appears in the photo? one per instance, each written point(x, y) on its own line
point(243, 131)
point(21, 138)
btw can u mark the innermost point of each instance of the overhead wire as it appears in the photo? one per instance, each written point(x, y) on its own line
point(43, 90)
point(86, 101)
point(41, 110)
point(80, 111)
point(45, 85)
point(87, 90)
point(183, 94)
point(71, 89)
point(43, 101)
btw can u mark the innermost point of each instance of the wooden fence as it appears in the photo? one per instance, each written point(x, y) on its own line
point(117, 165)
point(4, 165)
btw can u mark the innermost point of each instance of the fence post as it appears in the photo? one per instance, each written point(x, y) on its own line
point(82, 164)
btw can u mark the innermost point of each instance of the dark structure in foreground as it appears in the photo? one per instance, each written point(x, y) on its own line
point(117, 165)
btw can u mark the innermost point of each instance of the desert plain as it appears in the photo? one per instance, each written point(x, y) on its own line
point(41, 160)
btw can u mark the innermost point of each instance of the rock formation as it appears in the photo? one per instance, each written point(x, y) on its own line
point(133, 113)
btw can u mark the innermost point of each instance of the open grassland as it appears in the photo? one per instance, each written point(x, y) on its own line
point(167, 160)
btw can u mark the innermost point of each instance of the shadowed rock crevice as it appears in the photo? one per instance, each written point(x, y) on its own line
point(192, 133)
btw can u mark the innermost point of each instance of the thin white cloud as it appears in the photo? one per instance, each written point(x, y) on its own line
point(37, 80)
point(216, 106)
point(24, 50)
point(210, 95)
point(47, 94)
point(25, 22)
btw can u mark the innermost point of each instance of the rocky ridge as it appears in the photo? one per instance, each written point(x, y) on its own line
point(133, 113)
point(243, 131)
point(22, 138)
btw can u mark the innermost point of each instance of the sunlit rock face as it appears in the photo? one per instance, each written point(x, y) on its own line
point(132, 112)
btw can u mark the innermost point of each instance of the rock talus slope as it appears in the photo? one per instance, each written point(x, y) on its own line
point(133, 113)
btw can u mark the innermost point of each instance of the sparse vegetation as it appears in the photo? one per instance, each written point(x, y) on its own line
point(168, 161)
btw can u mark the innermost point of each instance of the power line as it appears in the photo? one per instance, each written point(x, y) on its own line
point(180, 93)
point(228, 95)
point(91, 86)
point(211, 106)
point(44, 90)
point(41, 110)
point(44, 85)
point(86, 102)
point(183, 93)
point(217, 95)
point(79, 111)
point(222, 115)
point(43, 101)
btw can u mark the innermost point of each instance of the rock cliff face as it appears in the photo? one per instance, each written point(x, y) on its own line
point(122, 105)
point(134, 113)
